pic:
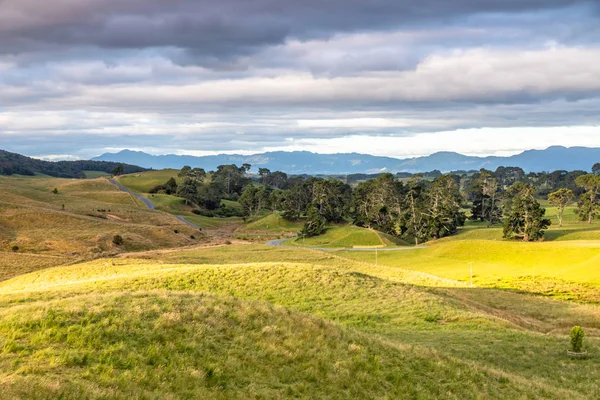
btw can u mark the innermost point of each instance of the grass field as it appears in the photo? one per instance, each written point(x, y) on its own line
point(146, 181)
point(342, 236)
point(95, 174)
point(283, 320)
point(273, 223)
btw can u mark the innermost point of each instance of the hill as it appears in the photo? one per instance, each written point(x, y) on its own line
point(304, 162)
point(39, 228)
point(276, 325)
point(16, 164)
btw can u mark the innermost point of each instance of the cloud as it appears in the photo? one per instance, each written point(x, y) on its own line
point(197, 75)
point(213, 32)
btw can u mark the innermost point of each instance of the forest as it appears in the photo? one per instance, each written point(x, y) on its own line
point(417, 207)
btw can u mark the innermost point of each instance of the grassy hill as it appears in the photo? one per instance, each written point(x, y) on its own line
point(39, 228)
point(284, 320)
point(273, 223)
point(342, 236)
point(144, 182)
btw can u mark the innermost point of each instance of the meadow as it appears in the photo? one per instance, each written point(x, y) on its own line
point(168, 316)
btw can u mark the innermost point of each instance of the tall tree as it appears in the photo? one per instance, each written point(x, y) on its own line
point(264, 173)
point(118, 170)
point(596, 169)
point(254, 198)
point(414, 216)
point(589, 201)
point(231, 178)
point(315, 223)
point(524, 216)
point(561, 199)
point(443, 208)
point(188, 190)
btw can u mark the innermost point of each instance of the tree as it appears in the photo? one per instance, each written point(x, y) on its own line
point(55, 191)
point(484, 194)
point(315, 223)
point(443, 208)
point(118, 170)
point(188, 190)
point(378, 203)
point(415, 215)
point(331, 198)
point(589, 201)
point(587, 208)
point(264, 173)
point(189, 172)
point(184, 171)
point(254, 199)
point(596, 169)
point(171, 186)
point(577, 335)
point(524, 217)
point(560, 199)
point(231, 178)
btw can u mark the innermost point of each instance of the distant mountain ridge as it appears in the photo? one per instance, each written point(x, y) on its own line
point(305, 162)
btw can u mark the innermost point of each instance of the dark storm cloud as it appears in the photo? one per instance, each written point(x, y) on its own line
point(216, 33)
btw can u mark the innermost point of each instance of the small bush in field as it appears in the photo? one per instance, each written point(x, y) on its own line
point(15, 248)
point(118, 240)
point(228, 242)
point(577, 335)
point(192, 237)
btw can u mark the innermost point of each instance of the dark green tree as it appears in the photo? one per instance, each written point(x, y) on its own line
point(188, 190)
point(524, 217)
point(254, 198)
point(231, 179)
point(443, 210)
point(315, 223)
point(118, 170)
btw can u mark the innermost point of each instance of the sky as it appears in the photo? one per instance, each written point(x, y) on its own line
point(398, 78)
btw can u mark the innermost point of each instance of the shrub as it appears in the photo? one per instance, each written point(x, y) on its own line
point(228, 242)
point(192, 237)
point(577, 335)
point(176, 230)
point(118, 240)
point(55, 191)
point(15, 248)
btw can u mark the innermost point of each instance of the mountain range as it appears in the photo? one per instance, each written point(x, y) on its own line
point(304, 162)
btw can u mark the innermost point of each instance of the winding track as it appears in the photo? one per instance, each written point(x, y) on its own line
point(148, 203)
point(144, 200)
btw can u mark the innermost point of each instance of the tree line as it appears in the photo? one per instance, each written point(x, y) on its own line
point(415, 208)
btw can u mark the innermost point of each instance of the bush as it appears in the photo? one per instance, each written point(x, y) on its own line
point(118, 240)
point(176, 230)
point(15, 248)
point(192, 237)
point(228, 242)
point(577, 335)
